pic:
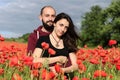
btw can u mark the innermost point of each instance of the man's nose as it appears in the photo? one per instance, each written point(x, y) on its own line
point(51, 18)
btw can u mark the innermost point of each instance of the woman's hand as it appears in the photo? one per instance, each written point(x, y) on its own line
point(62, 59)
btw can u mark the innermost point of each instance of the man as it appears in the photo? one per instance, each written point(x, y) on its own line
point(47, 17)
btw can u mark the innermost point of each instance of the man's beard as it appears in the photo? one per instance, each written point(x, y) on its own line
point(47, 27)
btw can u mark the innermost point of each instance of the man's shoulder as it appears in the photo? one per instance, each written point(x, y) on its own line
point(32, 36)
point(45, 37)
point(35, 31)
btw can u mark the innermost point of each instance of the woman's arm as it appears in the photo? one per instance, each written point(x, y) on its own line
point(74, 65)
point(38, 53)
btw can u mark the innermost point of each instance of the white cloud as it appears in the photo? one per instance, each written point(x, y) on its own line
point(10, 34)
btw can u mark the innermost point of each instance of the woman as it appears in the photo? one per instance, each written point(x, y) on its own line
point(63, 40)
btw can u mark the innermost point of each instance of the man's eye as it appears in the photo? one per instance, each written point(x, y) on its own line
point(61, 24)
point(53, 15)
point(47, 15)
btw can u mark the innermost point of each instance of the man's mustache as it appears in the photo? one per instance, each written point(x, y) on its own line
point(49, 21)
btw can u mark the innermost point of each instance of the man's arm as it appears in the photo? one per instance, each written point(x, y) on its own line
point(31, 43)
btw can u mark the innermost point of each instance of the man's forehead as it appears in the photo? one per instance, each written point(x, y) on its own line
point(48, 9)
point(49, 12)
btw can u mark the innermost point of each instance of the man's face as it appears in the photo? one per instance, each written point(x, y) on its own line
point(48, 17)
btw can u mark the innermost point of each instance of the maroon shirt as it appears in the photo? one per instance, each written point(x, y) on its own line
point(33, 37)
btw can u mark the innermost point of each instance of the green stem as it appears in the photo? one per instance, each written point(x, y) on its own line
point(42, 53)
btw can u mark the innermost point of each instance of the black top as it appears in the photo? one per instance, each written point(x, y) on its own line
point(59, 52)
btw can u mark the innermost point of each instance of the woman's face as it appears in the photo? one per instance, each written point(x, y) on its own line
point(60, 27)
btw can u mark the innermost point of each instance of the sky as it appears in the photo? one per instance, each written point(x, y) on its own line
point(18, 17)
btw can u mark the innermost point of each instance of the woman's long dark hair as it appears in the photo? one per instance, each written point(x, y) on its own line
point(70, 37)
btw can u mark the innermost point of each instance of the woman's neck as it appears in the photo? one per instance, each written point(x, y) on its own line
point(55, 36)
point(56, 39)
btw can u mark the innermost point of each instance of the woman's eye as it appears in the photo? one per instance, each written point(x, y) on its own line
point(66, 27)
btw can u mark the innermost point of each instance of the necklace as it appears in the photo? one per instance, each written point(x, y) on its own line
point(57, 45)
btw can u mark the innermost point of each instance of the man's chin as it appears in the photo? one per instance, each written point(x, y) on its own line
point(49, 28)
point(50, 24)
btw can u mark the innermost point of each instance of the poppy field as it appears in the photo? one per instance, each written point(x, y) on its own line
point(94, 64)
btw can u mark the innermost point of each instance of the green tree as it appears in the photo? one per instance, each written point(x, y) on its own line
point(113, 12)
point(99, 26)
point(23, 38)
point(93, 26)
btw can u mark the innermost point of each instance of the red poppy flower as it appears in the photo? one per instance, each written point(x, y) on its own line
point(28, 60)
point(79, 61)
point(111, 76)
point(85, 79)
point(82, 68)
point(57, 68)
point(118, 66)
point(35, 73)
point(51, 51)
point(44, 73)
point(45, 45)
point(16, 77)
point(37, 65)
point(85, 46)
point(1, 71)
point(100, 73)
point(94, 61)
point(2, 38)
point(112, 42)
point(75, 78)
point(13, 61)
point(65, 77)
point(51, 75)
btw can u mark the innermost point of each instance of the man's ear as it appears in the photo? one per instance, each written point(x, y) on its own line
point(54, 24)
point(40, 17)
